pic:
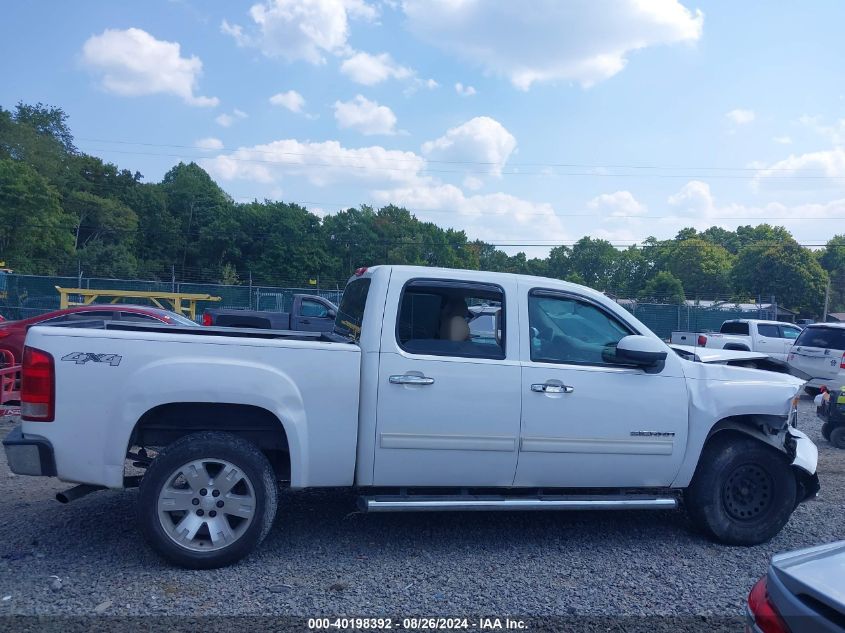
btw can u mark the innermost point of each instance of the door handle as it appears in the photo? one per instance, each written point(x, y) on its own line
point(306, 321)
point(546, 388)
point(410, 379)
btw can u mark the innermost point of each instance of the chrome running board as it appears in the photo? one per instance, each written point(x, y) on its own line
point(420, 503)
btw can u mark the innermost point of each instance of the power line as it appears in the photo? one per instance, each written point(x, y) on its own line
point(456, 162)
point(494, 172)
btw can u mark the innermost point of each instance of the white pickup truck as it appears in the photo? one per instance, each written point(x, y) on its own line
point(750, 335)
point(437, 390)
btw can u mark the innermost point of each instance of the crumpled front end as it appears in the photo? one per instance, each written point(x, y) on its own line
point(762, 405)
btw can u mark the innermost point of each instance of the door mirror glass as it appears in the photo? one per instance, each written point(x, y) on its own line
point(332, 313)
point(643, 351)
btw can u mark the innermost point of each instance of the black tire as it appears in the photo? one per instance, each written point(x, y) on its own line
point(826, 431)
point(837, 437)
point(256, 478)
point(812, 391)
point(743, 491)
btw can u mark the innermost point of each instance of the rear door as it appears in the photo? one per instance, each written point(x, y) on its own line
point(448, 408)
point(819, 351)
point(769, 340)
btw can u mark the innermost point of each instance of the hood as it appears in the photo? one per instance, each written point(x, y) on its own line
point(720, 391)
point(745, 375)
point(815, 571)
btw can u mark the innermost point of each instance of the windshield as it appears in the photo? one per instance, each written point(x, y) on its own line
point(350, 314)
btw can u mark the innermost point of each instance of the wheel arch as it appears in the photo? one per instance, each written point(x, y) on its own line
point(166, 423)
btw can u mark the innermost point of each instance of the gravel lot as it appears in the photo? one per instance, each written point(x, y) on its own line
point(324, 558)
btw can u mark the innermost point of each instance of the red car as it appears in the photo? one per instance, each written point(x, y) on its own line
point(13, 333)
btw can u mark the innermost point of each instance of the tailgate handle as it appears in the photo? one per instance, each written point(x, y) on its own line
point(409, 379)
point(546, 388)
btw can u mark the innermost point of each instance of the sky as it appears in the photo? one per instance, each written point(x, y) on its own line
point(526, 124)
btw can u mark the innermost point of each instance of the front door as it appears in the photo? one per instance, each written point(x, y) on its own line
point(587, 422)
point(449, 387)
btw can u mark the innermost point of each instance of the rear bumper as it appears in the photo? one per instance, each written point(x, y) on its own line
point(29, 454)
point(831, 383)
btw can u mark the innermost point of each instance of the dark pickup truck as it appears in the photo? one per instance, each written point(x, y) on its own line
point(310, 313)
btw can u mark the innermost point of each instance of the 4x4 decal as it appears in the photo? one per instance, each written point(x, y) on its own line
point(80, 358)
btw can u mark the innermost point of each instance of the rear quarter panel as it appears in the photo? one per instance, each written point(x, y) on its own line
point(311, 387)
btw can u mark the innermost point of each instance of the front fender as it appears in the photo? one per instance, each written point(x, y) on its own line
point(722, 397)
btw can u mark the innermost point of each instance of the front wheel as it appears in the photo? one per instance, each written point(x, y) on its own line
point(743, 492)
point(207, 500)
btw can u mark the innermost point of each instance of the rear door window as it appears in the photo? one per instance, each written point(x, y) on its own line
point(787, 331)
point(771, 331)
point(446, 318)
point(822, 337)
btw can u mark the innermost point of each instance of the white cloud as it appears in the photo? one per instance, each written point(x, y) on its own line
point(370, 70)
point(464, 91)
point(132, 62)
point(740, 116)
point(834, 132)
point(491, 217)
point(210, 143)
point(321, 164)
point(368, 117)
point(300, 29)
point(808, 170)
point(617, 204)
point(586, 41)
point(481, 139)
point(694, 198)
point(226, 120)
point(291, 100)
point(782, 140)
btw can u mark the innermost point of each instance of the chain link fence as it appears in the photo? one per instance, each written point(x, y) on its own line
point(23, 296)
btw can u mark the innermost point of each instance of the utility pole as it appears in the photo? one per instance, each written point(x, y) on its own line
point(250, 289)
point(79, 272)
point(173, 278)
point(826, 302)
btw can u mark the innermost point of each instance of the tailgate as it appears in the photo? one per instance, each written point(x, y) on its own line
point(817, 362)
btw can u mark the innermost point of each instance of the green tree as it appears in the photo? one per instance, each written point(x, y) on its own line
point(35, 234)
point(703, 268)
point(594, 261)
point(664, 287)
point(784, 270)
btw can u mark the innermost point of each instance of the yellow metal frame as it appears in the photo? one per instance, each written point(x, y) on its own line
point(175, 299)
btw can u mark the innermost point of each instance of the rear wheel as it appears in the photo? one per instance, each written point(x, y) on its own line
point(207, 500)
point(743, 492)
point(826, 431)
point(837, 437)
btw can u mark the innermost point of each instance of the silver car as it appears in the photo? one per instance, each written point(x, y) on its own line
point(803, 591)
point(819, 352)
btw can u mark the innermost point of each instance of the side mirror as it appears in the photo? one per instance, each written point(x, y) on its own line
point(332, 313)
point(643, 351)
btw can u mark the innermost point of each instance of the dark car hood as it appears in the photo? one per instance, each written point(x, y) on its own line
point(815, 571)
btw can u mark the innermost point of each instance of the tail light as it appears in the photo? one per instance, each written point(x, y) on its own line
point(842, 362)
point(206, 319)
point(4, 332)
point(766, 616)
point(38, 386)
point(702, 340)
